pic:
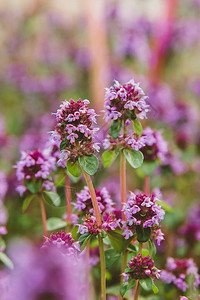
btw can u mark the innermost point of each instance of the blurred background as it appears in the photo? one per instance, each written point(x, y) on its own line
point(59, 49)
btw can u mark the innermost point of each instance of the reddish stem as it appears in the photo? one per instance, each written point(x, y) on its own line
point(93, 197)
point(147, 185)
point(123, 182)
point(44, 218)
point(68, 200)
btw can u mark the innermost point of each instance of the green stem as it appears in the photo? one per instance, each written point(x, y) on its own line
point(137, 286)
point(124, 263)
point(103, 268)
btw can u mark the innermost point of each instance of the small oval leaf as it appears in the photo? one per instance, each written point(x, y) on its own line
point(6, 260)
point(135, 158)
point(27, 202)
point(137, 127)
point(54, 197)
point(89, 163)
point(146, 284)
point(73, 168)
point(115, 128)
point(108, 158)
point(55, 223)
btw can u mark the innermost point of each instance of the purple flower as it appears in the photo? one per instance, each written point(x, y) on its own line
point(177, 270)
point(123, 100)
point(155, 146)
point(84, 201)
point(141, 267)
point(62, 241)
point(142, 210)
point(45, 274)
point(35, 166)
point(75, 130)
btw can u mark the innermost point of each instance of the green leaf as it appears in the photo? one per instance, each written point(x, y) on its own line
point(33, 186)
point(6, 260)
point(146, 284)
point(124, 288)
point(143, 234)
point(145, 252)
point(117, 240)
point(73, 168)
point(54, 197)
point(155, 289)
point(164, 205)
point(127, 285)
point(55, 223)
point(75, 233)
point(89, 163)
point(84, 240)
point(27, 202)
point(135, 158)
point(148, 168)
point(108, 158)
point(60, 180)
point(73, 178)
point(62, 145)
point(2, 244)
point(152, 248)
point(115, 128)
point(111, 257)
point(137, 127)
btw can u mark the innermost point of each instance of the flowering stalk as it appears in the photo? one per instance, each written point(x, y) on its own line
point(137, 286)
point(99, 222)
point(123, 182)
point(147, 185)
point(68, 201)
point(124, 263)
point(93, 197)
point(103, 268)
point(44, 218)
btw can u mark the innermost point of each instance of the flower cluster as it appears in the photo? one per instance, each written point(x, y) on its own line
point(74, 130)
point(125, 101)
point(84, 201)
point(141, 267)
point(90, 225)
point(142, 210)
point(177, 270)
point(45, 274)
point(155, 146)
point(129, 140)
point(63, 241)
point(35, 166)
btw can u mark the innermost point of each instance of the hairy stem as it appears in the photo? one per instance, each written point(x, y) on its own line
point(124, 263)
point(93, 197)
point(147, 185)
point(44, 218)
point(103, 268)
point(137, 286)
point(68, 202)
point(123, 182)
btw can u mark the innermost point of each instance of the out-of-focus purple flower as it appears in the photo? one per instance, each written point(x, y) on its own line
point(129, 140)
point(3, 186)
point(75, 130)
point(125, 101)
point(141, 267)
point(45, 274)
point(142, 210)
point(177, 270)
point(35, 166)
point(155, 146)
point(84, 201)
point(63, 241)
